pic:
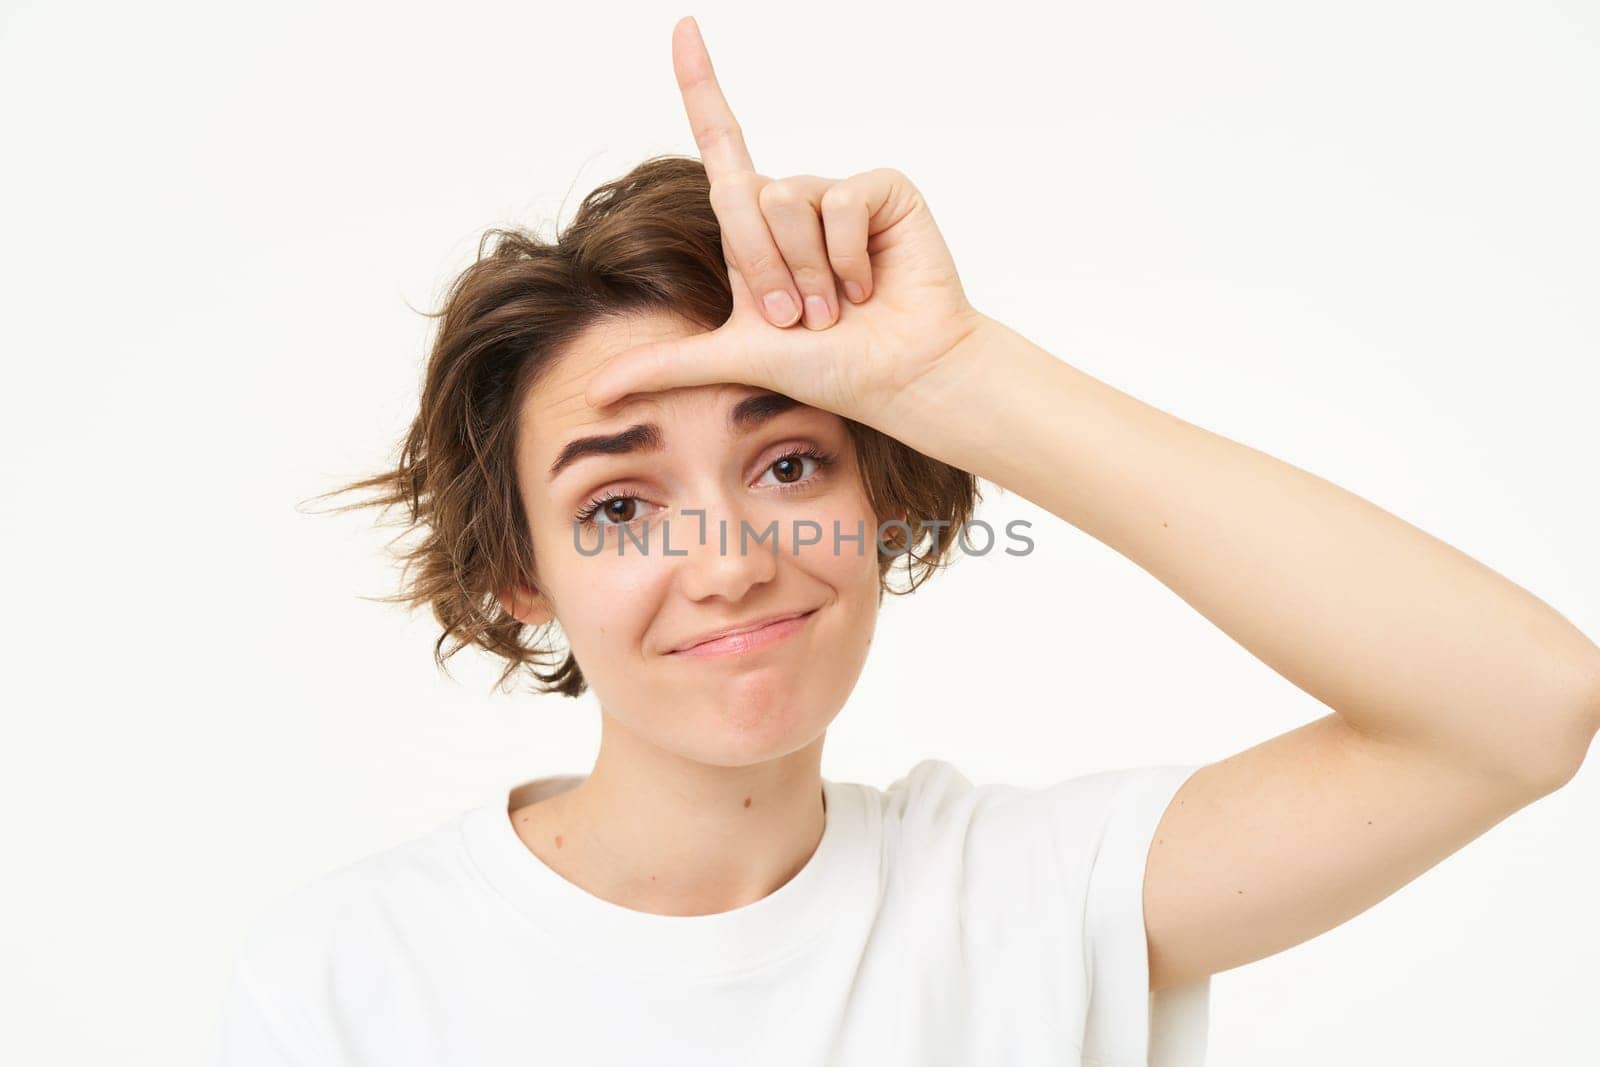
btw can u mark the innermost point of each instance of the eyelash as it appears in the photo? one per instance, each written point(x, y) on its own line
point(824, 460)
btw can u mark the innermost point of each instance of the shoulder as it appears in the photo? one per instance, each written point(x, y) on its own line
point(1074, 847)
point(1053, 872)
point(1063, 842)
point(324, 950)
point(329, 925)
point(1076, 814)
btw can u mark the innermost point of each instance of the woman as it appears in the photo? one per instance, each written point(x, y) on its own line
point(706, 505)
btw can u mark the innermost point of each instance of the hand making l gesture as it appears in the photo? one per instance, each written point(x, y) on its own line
point(903, 307)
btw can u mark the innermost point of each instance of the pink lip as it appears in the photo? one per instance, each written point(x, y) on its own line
point(750, 640)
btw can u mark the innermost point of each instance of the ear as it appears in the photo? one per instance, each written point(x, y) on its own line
point(525, 605)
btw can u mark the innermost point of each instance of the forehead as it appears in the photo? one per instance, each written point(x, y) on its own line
point(554, 408)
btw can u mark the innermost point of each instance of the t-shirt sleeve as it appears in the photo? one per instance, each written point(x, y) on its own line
point(250, 1034)
point(268, 1016)
point(1126, 1024)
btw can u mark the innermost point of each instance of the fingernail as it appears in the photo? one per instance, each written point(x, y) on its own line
point(780, 308)
point(817, 316)
point(853, 291)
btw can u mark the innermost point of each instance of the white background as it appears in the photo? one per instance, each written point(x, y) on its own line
point(1360, 237)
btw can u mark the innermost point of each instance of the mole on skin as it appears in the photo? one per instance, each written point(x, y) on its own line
point(747, 802)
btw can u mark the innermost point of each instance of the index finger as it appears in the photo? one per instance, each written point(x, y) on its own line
point(716, 131)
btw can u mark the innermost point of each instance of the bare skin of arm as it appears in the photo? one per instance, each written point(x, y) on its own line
point(1458, 697)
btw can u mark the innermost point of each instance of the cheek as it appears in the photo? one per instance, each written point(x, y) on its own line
point(603, 604)
point(845, 559)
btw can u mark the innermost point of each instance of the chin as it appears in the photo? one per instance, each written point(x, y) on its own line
point(745, 719)
point(762, 715)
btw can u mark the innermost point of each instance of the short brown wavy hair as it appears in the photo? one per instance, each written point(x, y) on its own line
point(648, 241)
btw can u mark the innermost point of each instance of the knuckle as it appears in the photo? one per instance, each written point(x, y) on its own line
point(717, 132)
point(780, 195)
point(893, 174)
point(840, 198)
point(761, 263)
point(813, 279)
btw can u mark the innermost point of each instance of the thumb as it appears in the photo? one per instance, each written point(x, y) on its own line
point(700, 359)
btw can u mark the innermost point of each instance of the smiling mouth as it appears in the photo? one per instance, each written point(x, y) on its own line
point(750, 640)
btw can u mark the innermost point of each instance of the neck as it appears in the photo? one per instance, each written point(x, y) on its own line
point(655, 832)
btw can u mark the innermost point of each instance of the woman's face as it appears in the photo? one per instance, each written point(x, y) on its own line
point(626, 615)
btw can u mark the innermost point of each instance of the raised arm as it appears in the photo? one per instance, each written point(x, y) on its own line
point(1458, 696)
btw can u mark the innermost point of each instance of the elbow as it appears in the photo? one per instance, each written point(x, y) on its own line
point(1579, 726)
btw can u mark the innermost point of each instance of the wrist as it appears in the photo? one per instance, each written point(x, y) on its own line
point(955, 407)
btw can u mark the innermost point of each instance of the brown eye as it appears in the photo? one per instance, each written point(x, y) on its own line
point(788, 469)
point(610, 511)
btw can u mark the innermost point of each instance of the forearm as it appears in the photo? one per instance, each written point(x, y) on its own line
point(1400, 634)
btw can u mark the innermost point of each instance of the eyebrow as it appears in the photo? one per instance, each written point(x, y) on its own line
point(745, 416)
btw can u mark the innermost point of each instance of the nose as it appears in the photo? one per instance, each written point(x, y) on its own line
point(739, 553)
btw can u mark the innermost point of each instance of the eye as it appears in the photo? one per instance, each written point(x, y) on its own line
point(606, 508)
point(790, 467)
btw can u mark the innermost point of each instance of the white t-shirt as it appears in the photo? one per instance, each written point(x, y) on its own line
point(937, 922)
